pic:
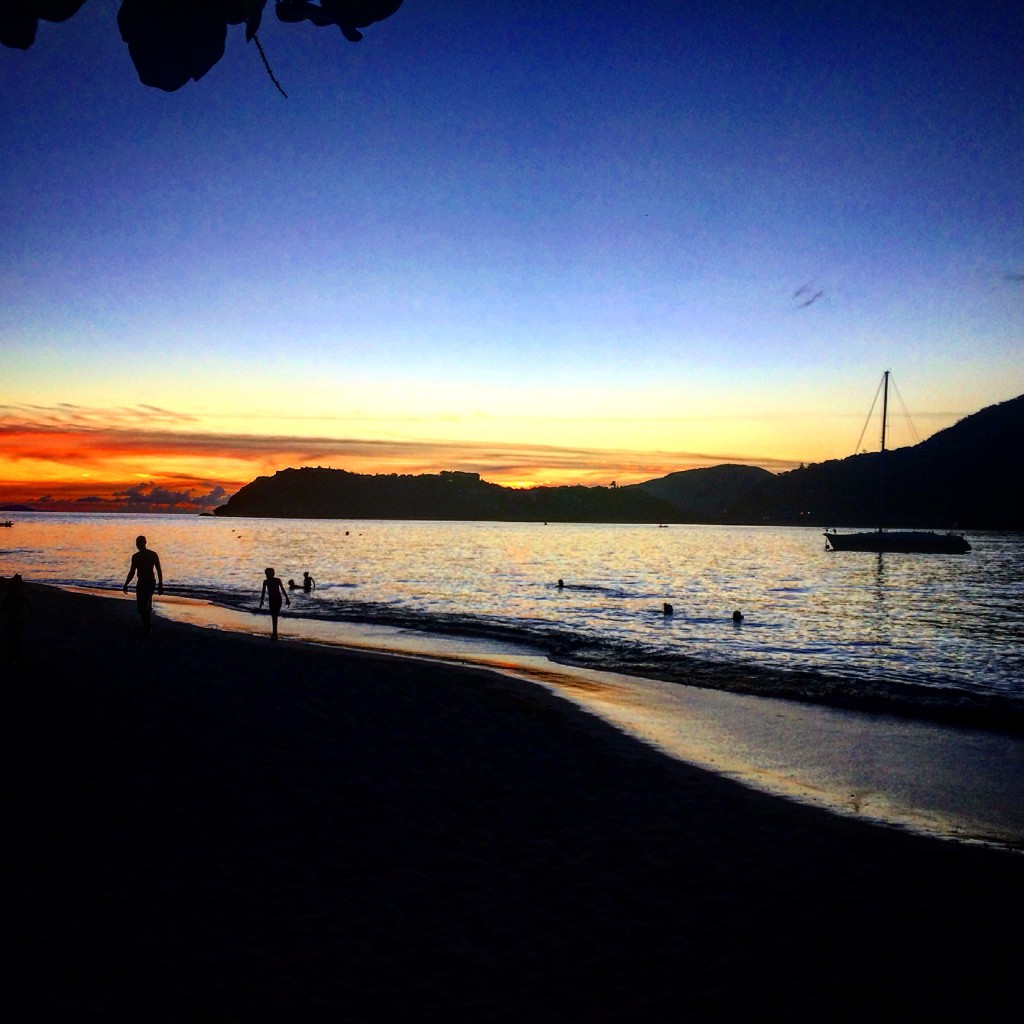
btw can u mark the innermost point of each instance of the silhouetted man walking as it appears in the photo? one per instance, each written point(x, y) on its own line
point(151, 577)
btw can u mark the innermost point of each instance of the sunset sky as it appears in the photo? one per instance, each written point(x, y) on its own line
point(549, 243)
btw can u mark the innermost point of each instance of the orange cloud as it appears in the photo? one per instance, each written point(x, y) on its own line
point(150, 459)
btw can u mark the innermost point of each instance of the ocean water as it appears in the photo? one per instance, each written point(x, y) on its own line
point(920, 632)
point(931, 637)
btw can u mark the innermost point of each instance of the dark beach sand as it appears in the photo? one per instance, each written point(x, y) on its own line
point(211, 826)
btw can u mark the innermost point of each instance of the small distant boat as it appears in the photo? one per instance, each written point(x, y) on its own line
point(900, 541)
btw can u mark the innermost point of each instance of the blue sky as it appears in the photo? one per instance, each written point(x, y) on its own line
point(584, 242)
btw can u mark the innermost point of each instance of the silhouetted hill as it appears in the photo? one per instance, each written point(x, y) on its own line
point(338, 494)
point(964, 476)
point(705, 495)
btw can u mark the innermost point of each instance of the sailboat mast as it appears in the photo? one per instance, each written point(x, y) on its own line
point(885, 404)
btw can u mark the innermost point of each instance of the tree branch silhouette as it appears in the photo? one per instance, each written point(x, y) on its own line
point(172, 42)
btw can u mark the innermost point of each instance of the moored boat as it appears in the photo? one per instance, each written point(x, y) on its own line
point(908, 541)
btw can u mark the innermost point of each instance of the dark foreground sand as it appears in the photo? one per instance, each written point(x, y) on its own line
point(207, 826)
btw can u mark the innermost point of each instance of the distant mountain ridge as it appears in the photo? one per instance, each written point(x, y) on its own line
point(309, 493)
point(962, 477)
point(705, 495)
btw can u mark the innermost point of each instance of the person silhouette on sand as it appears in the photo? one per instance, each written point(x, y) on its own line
point(273, 590)
point(146, 564)
point(14, 606)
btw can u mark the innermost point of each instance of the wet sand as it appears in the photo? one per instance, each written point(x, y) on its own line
point(211, 825)
point(951, 779)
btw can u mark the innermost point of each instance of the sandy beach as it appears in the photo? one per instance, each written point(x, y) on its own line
point(208, 825)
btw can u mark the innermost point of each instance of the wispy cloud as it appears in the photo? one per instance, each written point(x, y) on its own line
point(150, 495)
point(67, 414)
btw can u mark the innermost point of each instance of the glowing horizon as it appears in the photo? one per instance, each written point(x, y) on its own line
point(70, 457)
point(65, 459)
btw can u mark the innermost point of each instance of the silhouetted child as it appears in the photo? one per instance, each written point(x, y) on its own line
point(308, 583)
point(15, 607)
point(273, 590)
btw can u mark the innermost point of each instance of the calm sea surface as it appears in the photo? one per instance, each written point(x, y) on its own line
point(915, 630)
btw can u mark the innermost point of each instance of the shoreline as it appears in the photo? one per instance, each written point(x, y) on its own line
point(953, 706)
point(208, 823)
point(943, 779)
point(913, 701)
